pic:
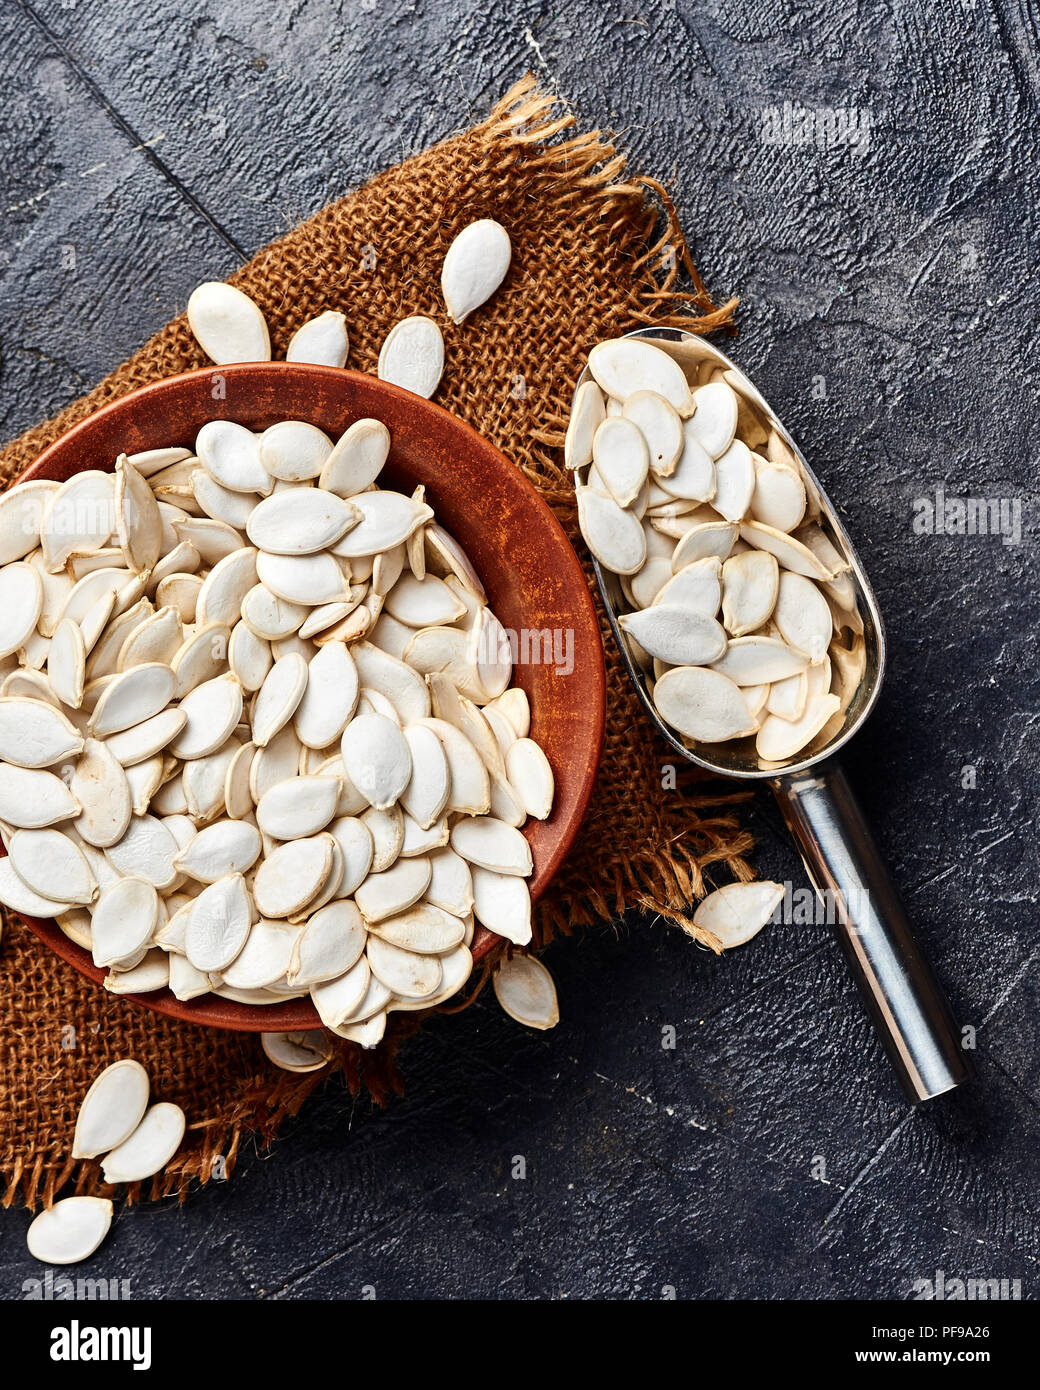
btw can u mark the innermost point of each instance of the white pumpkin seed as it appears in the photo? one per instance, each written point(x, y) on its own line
point(51, 864)
point(147, 849)
point(331, 942)
point(322, 340)
point(138, 523)
point(32, 800)
point(751, 582)
point(278, 698)
point(218, 924)
point(22, 509)
point(531, 777)
point(406, 973)
point(294, 451)
point(391, 891)
point(739, 911)
point(100, 787)
point(297, 1052)
point(144, 740)
point(213, 709)
point(337, 1000)
point(265, 957)
point(148, 1150)
point(613, 535)
point(124, 918)
point(311, 580)
point(293, 875)
point(621, 459)
point(714, 421)
point(21, 603)
point(330, 697)
point(20, 898)
point(79, 518)
point(803, 617)
point(681, 636)
point(112, 1109)
point(623, 366)
point(412, 355)
point(759, 660)
point(588, 412)
point(299, 807)
point(227, 847)
point(230, 454)
point(475, 266)
point(357, 459)
point(703, 704)
point(502, 902)
point(69, 1231)
point(780, 739)
point(227, 324)
point(525, 990)
point(132, 697)
point(376, 758)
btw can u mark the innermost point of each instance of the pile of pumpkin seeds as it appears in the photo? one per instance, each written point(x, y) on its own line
point(687, 492)
point(257, 731)
point(133, 1140)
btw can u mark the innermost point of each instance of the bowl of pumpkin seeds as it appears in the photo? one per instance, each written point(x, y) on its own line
point(301, 689)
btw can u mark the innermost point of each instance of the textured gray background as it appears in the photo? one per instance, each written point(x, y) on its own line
point(889, 313)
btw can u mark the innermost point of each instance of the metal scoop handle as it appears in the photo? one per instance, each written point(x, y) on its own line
point(904, 998)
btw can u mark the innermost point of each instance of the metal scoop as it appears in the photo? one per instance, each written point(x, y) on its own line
point(908, 1007)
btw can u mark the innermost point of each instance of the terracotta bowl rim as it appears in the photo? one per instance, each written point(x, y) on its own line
point(298, 1014)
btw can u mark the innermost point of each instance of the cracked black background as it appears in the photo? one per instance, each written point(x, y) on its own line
point(889, 312)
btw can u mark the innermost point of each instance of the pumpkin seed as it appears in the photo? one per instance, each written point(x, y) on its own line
point(50, 863)
point(79, 518)
point(230, 454)
point(225, 587)
point(265, 957)
point(714, 421)
point(502, 902)
point(738, 911)
point(311, 580)
point(587, 414)
point(787, 698)
point(406, 973)
point(297, 1052)
point(20, 898)
point(31, 800)
point(613, 535)
point(293, 875)
point(148, 1150)
point(531, 777)
point(356, 459)
point(337, 1000)
point(780, 739)
point(750, 584)
point(144, 740)
point(218, 924)
point(219, 850)
point(298, 807)
point(475, 266)
point(294, 451)
point(124, 918)
point(791, 553)
point(146, 849)
point(69, 1231)
point(157, 638)
point(144, 779)
point(624, 366)
point(621, 459)
point(21, 603)
point(220, 503)
point(322, 340)
point(22, 510)
point(702, 703)
point(803, 617)
point(412, 356)
point(249, 657)
point(330, 697)
point(525, 990)
point(278, 698)
point(212, 711)
point(331, 942)
point(391, 891)
point(376, 758)
point(138, 523)
point(99, 786)
point(757, 660)
point(681, 636)
point(132, 697)
point(227, 324)
point(111, 1110)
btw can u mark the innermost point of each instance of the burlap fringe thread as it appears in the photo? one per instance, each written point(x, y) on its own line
point(580, 170)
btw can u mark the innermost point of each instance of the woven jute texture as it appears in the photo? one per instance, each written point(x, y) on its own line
point(596, 252)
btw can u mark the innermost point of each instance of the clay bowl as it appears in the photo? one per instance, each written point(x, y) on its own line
point(531, 574)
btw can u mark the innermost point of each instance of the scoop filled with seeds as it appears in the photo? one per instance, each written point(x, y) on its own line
point(750, 630)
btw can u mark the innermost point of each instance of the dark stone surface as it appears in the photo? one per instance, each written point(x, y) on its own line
point(889, 314)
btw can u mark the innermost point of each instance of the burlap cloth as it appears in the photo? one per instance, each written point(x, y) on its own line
point(588, 263)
